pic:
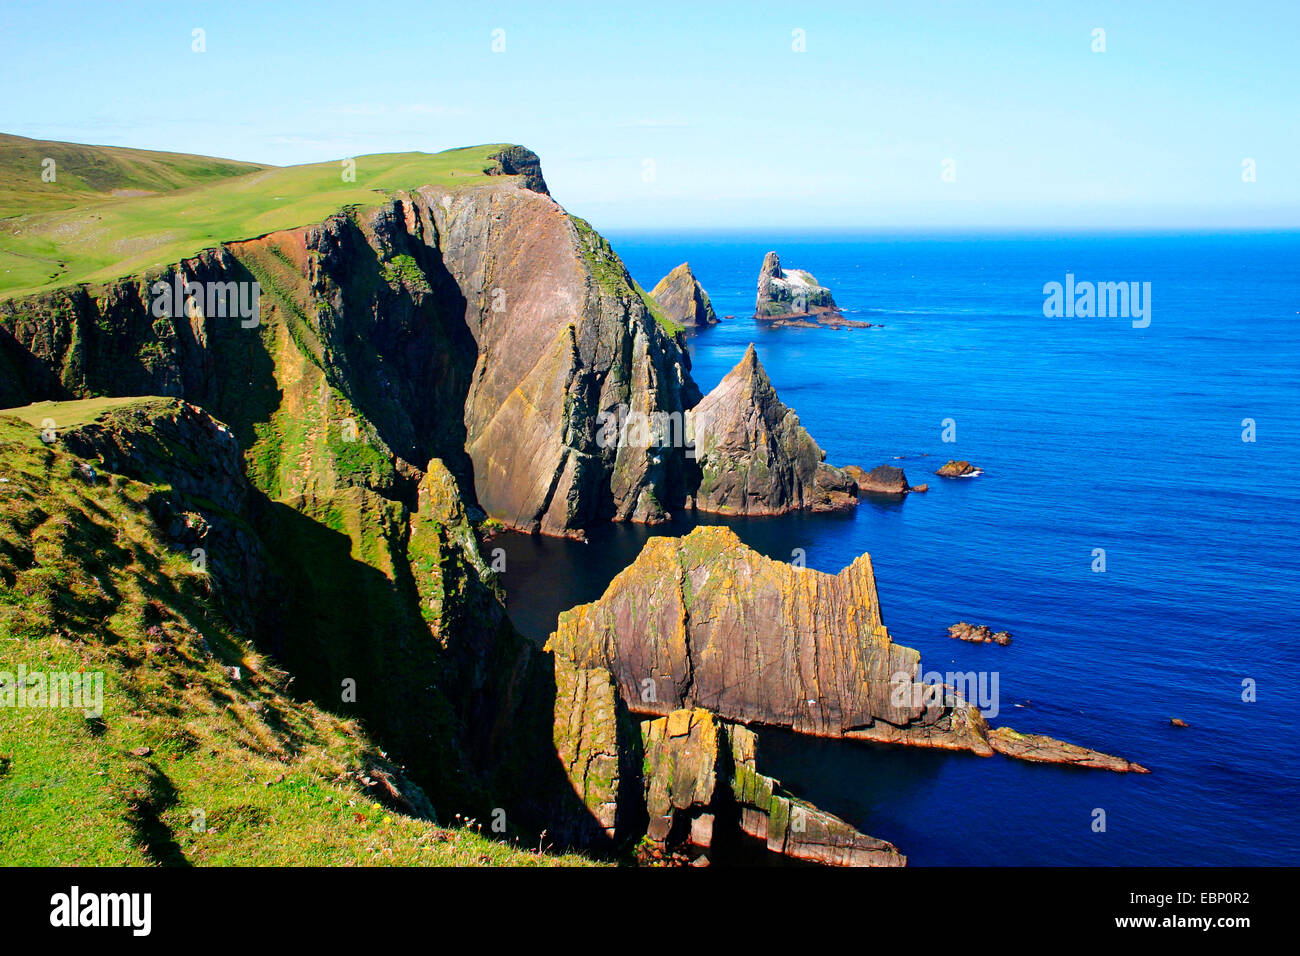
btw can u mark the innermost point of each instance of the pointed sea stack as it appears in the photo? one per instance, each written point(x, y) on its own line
point(683, 299)
point(753, 455)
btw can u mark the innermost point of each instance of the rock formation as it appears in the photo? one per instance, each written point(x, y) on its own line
point(563, 334)
point(881, 480)
point(754, 457)
point(978, 634)
point(958, 469)
point(686, 782)
point(683, 299)
point(793, 297)
point(701, 774)
point(703, 621)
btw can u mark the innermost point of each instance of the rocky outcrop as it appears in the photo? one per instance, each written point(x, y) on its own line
point(881, 480)
point(978, 634)
point(683, 299)
point(790, 294)
point(1036, 748)
point(753, 455)
point(703, 621)
point(687, 783)
point(701, 776)
point(959, 469)
point(520, 161)
point(204, 505)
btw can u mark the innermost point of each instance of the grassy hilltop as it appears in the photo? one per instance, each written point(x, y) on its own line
point(75, 230)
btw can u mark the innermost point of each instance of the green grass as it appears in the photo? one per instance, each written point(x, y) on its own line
point(84, 174)
point(70, 414)
point(96, 242)
point(87, 583)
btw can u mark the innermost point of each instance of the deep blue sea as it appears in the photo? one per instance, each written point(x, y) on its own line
point(1092, 434)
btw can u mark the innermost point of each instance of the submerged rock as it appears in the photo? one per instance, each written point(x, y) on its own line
point(978, 634)
point(753, 455)
point(683, 299)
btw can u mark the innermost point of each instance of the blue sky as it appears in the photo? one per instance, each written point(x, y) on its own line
point(742, 130)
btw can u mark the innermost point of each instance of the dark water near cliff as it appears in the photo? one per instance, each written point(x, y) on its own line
point(1092, 434)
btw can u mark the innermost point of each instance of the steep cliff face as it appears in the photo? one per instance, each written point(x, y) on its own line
point(753, 455)
point(481, 325)
point(702, 780)
point(563, 335)
point(683, 299)
point(703, 621)
point(685, 785)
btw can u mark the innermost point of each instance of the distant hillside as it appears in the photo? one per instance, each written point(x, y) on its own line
point(97, 239)
point(85, 174)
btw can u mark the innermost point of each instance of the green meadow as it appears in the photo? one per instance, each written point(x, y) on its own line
point(95, 239)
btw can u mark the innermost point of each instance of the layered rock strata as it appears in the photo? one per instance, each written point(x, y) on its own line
point(753, 455)
point(703, 621)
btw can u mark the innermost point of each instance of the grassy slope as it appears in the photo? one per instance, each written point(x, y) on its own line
point(93, 173)
point(104, 240)
point(87, 582)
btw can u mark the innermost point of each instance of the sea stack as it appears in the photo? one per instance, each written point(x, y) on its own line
point(683, 299)
point(791, 294)
point(753, 455)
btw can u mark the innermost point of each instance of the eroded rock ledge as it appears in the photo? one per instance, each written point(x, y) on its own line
point(703, 621)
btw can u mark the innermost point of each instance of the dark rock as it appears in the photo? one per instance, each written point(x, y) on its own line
point(520, 161)
point(881, 480)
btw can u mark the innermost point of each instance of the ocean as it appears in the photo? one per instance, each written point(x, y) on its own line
point(1092, 434)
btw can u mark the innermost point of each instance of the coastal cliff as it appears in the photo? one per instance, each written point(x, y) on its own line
point(480, 325)
point(422, 367)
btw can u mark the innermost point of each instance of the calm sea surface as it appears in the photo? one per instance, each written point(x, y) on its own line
point(1092, 434)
